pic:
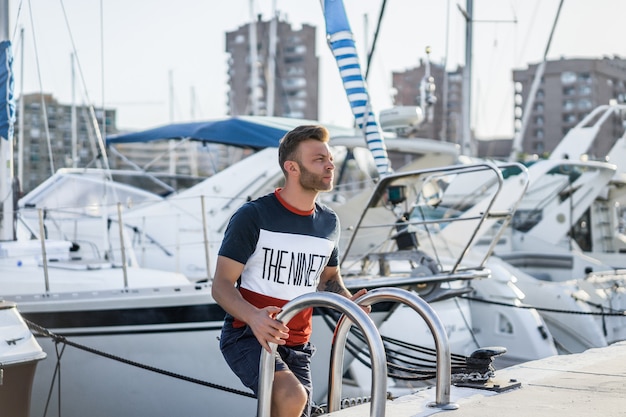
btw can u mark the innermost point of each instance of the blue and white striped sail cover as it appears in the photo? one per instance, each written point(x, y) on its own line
point(7, 99)
point(341, 42)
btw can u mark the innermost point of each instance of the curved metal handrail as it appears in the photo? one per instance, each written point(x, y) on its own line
point(356, 315)
point(444, 366)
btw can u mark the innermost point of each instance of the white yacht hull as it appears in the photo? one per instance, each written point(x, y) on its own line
point(172, 329)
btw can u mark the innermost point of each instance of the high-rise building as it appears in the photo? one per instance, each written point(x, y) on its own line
point(568, 91)
point(37, 153)
point(287, 70)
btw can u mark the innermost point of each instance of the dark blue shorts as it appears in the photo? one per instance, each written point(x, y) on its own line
point(242, 352)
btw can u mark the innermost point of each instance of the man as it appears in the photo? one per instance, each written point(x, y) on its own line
point(276, 248)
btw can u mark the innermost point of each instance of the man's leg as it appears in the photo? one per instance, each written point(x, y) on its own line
point(241, 351)
point(288, 395)
point(298, 361)
point(292, 386)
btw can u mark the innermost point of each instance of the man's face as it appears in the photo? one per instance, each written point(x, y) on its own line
point(316, 166)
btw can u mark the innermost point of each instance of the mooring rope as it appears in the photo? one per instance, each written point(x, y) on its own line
point(414, 368)
point(611, 312)
point(62, 339)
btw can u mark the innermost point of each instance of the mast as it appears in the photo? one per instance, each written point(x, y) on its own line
point(466, 147)
point(20, 133)
point(7, 185)
point(444, 95)
point(171, 143)
point(74, 118)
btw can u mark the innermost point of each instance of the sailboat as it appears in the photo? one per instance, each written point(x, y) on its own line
point(20, 353)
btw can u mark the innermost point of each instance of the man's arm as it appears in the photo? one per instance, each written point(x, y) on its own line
point(331, 281)
point(262, 321)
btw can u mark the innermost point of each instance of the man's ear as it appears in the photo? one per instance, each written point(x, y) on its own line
point(292, 167)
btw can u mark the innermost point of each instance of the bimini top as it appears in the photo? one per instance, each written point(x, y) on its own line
point(255, 132)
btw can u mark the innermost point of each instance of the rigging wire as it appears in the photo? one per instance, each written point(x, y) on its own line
point(466, 321)
point(43, 102)
point(100, 154)
point(17, 19)
point(371, 52)
point(533, 19)
point(104, 114)
point(94, 120)
point(100, 150)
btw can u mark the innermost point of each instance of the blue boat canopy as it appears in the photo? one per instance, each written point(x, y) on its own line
point(255, 132)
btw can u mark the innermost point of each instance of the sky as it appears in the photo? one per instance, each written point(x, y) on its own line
point(158, 61)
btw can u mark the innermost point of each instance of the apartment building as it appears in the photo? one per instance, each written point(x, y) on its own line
point(568, 91)
point(284, 81)
point(44, 117)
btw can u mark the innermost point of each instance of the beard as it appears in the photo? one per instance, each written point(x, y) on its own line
point(313, 182)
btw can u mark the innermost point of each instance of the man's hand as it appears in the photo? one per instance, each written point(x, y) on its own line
point(267, 329)
point(358, 294)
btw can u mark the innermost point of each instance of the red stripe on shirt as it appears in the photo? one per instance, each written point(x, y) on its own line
point(300, 326)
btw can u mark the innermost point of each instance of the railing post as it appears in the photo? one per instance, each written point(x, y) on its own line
point(123, 247)
point(206, 239)
point(44, 255)
point(356, 315)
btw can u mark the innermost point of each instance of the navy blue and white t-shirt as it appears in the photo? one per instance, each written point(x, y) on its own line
point(284, 251)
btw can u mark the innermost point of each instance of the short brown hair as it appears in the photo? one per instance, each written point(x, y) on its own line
point(288, 147)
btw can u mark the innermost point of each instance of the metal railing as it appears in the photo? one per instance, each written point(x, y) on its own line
point(444, 367)
point(354, 314)
point(357, 316)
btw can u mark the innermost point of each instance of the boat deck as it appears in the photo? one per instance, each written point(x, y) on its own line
point(592, 383)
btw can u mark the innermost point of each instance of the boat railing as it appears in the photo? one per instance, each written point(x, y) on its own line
point(441, 212)
point(354, 314)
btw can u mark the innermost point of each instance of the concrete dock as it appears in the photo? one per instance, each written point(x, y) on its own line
point(592, 383)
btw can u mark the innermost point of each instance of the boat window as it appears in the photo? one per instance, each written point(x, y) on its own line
point(525, 220)
point(581, 232)
point(621, 218)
